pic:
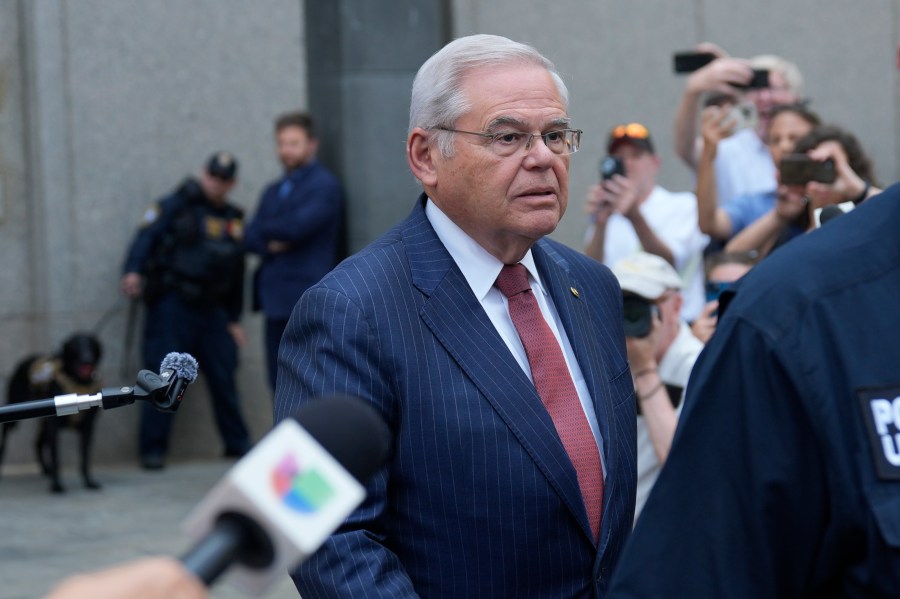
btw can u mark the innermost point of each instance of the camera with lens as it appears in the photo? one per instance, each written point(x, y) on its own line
point(638, 315)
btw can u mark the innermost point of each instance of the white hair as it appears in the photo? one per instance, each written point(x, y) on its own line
point(793, 78)
point(437, 96)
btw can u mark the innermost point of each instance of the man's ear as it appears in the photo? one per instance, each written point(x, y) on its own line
point(420, 154)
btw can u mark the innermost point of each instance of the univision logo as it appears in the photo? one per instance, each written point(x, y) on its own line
point(304, 490)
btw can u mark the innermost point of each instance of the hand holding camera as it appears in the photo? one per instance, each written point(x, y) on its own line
point(845, 184)
point(619, 191)
point(598, 205)
point(642, 326)
point(615, 193)
point(722, 74)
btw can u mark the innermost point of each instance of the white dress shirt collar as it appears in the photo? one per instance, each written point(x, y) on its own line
point(479, 267)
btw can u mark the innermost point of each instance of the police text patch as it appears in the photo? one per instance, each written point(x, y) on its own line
point(881, 412)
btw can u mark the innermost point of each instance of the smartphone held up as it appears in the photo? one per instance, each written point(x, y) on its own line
point(742, 116)
point(688, 62)
point(610, 166)
point(800, 169)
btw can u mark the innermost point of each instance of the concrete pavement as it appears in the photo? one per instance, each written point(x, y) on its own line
point(46, 537)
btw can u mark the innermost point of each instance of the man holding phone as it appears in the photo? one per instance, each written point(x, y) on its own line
point(631, 212)
point(743, 164)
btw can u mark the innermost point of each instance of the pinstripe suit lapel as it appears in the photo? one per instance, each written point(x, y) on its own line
point(576, 319)
point(460, 324)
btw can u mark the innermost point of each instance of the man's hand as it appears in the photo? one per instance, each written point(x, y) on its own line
point(148, 578)
point(711, 48)
point(620, 194)
point(642, 350)
point(599, 204)
point(720, 76)
point(237, 333)
point(132, 284)
point(705, 324)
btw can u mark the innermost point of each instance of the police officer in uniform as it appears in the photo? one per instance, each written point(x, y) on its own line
point(784, 475)
point(187, 263)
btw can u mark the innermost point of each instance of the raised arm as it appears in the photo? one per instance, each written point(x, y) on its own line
point(717, 76)
point(761, 235)
point(711, 219)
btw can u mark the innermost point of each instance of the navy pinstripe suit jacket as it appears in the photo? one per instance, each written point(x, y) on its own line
point(480, 499)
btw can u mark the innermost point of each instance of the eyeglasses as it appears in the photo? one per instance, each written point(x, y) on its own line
point(631, 130)
point(715, 288)
point(507, 143)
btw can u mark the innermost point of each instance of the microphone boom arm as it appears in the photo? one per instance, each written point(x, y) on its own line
point(149, 386)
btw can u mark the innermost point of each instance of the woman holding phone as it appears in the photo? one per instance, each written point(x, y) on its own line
point(798, 202)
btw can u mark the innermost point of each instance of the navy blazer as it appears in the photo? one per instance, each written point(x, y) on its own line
point(480, 498)
point(309, 218)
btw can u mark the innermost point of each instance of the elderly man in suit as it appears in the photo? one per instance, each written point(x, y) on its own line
point(496, 355)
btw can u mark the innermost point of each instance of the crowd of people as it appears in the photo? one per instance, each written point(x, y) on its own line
point(702, 390)
point(746, 505)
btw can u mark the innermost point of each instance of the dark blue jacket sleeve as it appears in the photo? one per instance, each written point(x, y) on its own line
point(737, 509)
point(253, 237)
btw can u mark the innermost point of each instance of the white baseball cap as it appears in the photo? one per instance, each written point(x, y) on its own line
point(646, 275)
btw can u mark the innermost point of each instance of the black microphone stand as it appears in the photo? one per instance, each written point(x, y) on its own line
point(149, 386)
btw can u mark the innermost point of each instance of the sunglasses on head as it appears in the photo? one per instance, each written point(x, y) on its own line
point(631, 130)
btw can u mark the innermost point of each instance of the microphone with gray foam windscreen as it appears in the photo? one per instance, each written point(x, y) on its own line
point(178, 371)
point(164, 390)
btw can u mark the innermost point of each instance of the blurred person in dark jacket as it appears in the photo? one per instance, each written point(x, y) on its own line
point(296, 230)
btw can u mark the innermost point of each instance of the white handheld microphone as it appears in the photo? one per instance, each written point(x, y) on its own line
point(282, 500)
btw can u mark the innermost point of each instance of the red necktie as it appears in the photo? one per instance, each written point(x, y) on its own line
point(554, 384)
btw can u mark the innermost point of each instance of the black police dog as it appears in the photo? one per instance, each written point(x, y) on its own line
point(71, 370)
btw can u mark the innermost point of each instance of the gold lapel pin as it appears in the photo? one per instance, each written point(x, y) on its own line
point(574, 291)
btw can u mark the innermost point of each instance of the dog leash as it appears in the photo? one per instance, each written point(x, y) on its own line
point(105, 318)
point(130, 323)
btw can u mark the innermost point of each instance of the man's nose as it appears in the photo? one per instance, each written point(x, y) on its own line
point(539, 152)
